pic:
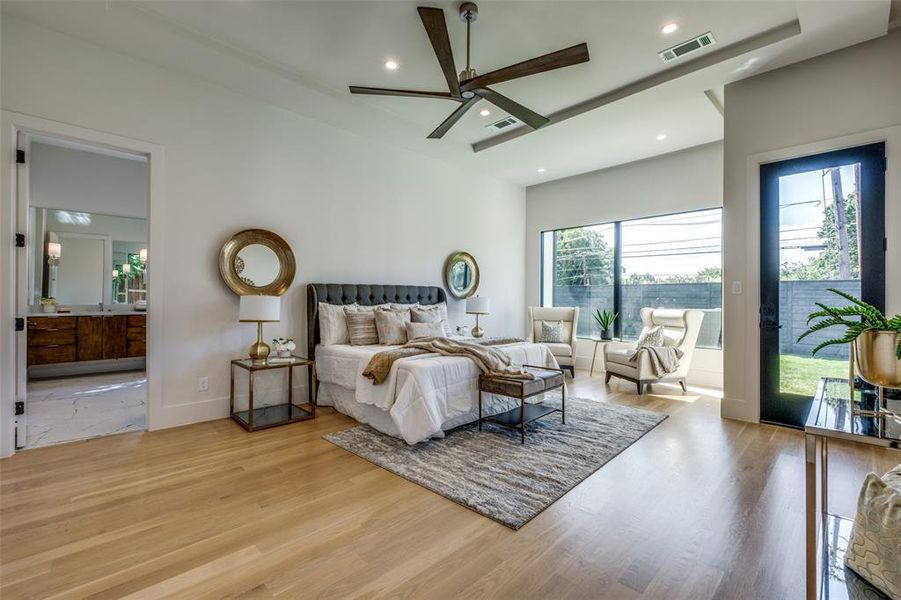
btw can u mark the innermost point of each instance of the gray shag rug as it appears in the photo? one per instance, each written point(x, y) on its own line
point(493, 474)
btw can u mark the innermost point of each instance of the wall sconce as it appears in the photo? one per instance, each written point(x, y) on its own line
point(126, 268)
point(54, 251)
point(115, 273)
point(142, 254)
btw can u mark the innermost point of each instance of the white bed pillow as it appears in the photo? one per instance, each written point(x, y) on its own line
point(418, 331)
point(333, 324)
point(432, 313)
point(390, 326)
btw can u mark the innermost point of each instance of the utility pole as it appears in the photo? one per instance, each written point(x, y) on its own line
point(841, 224)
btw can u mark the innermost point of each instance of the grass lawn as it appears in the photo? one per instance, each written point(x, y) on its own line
point(801, 374)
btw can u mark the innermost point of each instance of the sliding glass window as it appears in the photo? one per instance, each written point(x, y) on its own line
point(671, 261)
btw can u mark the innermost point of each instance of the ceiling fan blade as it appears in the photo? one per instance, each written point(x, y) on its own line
point(436, 28)
point(527, 116)
point(453, 118)
point(355, 89)
point(555, 60)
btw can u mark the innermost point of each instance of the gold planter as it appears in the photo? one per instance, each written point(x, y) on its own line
point(876, 360)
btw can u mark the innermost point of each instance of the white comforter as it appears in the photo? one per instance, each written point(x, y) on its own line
point(422, 392)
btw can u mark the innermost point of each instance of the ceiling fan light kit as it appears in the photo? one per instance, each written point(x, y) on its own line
point(468, 87)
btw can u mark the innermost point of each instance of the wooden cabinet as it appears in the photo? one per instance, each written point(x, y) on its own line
point(90, 338)
point(114, 336)
point(66, 339)
point(136, 336)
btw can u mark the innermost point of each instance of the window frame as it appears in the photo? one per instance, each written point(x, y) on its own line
point(617, 260)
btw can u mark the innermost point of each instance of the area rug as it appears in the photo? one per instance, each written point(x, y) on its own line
point(493, 474)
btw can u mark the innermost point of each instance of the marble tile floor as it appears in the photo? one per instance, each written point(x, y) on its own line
point(73, 408)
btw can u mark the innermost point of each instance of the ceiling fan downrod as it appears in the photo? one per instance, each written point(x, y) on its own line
point(469, 12)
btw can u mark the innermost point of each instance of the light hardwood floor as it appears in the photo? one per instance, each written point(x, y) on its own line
point(699, 508)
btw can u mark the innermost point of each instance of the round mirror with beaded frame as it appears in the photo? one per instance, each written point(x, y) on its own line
point(234, 268)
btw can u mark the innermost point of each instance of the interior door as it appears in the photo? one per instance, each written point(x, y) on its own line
point(822, 226)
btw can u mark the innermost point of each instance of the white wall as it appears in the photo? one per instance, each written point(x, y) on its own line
point(70, 179)
point(681, 181)
point(352, 209)
point(846, 98)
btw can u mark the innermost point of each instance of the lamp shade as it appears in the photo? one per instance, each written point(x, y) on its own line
point(478, 305)
point(260, 308)
point(54, 249)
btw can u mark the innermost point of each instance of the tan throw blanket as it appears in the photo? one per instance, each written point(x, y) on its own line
point(489, 360)
point(664, 359)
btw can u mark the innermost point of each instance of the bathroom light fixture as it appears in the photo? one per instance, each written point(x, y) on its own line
point(661, 137)
point(541, 170)
point(54, 251)
point(669, 28)
point(115, 273)
point(126, 268)
point(142, 255)
point(391, 65)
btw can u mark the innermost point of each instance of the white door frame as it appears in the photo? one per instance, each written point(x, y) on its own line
point(14, 265)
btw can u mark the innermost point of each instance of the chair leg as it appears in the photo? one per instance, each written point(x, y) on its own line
point(640, 387)
point(607, 377)
point(571, 369)
point(682, 383)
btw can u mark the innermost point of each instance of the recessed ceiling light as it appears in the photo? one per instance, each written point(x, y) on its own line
point(541, 170)
point(484, 112)
point(390, 65)
point(661, 137)
point(669, 28)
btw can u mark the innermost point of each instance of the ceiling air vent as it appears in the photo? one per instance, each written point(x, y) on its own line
point(680, 50)
point(505, 123)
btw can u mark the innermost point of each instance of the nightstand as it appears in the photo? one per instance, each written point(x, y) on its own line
point(276, 414)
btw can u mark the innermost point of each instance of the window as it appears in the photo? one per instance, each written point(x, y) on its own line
point(672, 261)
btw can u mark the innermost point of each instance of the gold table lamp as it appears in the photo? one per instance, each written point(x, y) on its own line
point(477, 305)
point(259, 310)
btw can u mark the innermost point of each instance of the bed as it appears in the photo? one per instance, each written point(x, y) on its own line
point(423, 396)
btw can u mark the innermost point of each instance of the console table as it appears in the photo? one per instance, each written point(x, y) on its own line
point(827, 534)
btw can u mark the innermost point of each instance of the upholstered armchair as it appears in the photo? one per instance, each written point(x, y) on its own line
point(680, 329)
point(564, 352)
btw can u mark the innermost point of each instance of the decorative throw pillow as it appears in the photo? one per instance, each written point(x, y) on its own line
point(873, 550)
point(361, 327)
point(390, 325)
point(651, 336)
point(418, 331)
point(333, 324)
point(552, 332)
point(433, 313)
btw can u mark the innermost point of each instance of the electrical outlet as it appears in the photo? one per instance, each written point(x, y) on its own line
point(203, 384)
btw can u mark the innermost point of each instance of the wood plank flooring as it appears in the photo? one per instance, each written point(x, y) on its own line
point(699, 508)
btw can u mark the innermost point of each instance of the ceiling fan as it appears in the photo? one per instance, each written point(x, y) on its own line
point(468, 87)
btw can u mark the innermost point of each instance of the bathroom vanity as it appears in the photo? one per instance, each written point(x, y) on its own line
point(79, 337)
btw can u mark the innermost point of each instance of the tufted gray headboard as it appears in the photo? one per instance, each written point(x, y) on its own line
point(365, 294)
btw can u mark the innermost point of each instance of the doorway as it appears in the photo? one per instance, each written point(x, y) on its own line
point(822, 227)
point(84, 291)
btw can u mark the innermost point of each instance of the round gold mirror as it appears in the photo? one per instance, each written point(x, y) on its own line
point(461, 275)
point(257, 261)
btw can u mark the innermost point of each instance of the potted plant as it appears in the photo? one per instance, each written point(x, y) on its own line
point(284, 347)
point(48, 305)
point(604, 319)
point(876, 339)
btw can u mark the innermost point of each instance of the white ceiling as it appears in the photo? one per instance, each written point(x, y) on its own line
point(303, 55)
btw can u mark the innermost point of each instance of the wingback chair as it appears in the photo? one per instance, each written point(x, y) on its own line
point(680, 329)
point(564, 352)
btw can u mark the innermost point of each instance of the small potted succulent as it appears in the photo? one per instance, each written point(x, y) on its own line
point(876, 339)
point(284, 347)
point(605, 319)
point(49, 304)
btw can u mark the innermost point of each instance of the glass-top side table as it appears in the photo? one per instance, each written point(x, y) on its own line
point(273, 415)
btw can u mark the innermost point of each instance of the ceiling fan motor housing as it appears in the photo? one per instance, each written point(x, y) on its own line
point(469, 12)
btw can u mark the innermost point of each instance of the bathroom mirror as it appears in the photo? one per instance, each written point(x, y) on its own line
point(257, 261)
point(461, 275)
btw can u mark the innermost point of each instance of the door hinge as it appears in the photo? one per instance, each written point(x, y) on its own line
point(20, 408)
point(20, 157)
point(884, 164)
point(20, 323)
point(885, 244)
point(20, 240)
